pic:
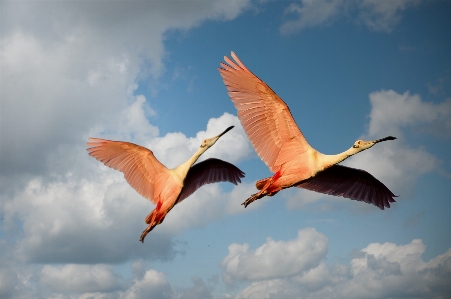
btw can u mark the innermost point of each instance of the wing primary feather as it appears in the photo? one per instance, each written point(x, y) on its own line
point(137, 163)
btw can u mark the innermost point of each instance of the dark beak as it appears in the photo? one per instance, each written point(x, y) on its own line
point(384, 139)
point(226, 130)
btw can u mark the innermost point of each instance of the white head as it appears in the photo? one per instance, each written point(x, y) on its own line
point(361, 145)
point(207, 143)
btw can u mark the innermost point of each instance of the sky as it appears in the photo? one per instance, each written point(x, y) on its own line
point(146, 72)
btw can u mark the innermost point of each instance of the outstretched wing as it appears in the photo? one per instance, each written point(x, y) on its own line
point(139, 165)
point(209, 171)
point(350, 183)
point(265, 117)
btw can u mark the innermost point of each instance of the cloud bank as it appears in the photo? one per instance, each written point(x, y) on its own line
point(70, 70)
point(377, 271)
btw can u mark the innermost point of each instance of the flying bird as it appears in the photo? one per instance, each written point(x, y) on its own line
point(268, 123)
point(164, 187)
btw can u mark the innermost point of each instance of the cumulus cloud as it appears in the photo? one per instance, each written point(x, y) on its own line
point(238, 195)
point(302, 199)
point(80, 278)
point(397, 270)
point(199, 290)
point(79, 63)
point(378, 271)
point(272, 289)
point(81, 222)
point(391, 112)
point(175, 148)
point(94, 281)
point(70, 70)
point(275, 259)
point(90, 217)
point(376, 15)
point(152, 285)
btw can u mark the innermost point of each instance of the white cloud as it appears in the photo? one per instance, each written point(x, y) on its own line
point(82, 222)
point(152, 285)
point(238, 195)
point(47, 100)
point(275, 259)
point(93, 281)
point(383, 15)
point(69, 71)
point(378, 271)
point(312, 13)
point(391, 112)
point(233, 147)
point(302, 199)
point(375, 14)
point(70, 66)
point(269, 289)
point(390, 270)
point(98, 208)
point(199, 290)
point(80, 278)
point(207, 204)
point(322, 276)
point(175, 148)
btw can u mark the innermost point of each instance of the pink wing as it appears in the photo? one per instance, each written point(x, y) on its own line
point(352, 183)
point(265, 117)
point(209, 171)
point(139, 165)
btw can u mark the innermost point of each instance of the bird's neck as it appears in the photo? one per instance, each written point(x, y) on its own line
point(182, 170)
point(329, 160)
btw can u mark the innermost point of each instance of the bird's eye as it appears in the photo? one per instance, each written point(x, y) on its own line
point(355, 146)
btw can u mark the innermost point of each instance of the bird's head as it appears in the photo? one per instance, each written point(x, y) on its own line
point(207, 143)
point(361, 145)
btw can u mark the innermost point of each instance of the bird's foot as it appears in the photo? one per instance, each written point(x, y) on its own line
point(143, 235)
point(250, 199)
point(146, 231)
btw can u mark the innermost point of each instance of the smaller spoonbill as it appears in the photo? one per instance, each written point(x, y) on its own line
point(268, 123)
point(164, 187)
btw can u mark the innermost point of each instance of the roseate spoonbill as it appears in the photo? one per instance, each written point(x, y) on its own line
point(164, 187)
point(278, 141)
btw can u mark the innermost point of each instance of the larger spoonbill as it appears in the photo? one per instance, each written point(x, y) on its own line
point(268, 123)
point(164, 187)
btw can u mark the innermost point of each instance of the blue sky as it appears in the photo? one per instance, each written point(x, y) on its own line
point(146, 72)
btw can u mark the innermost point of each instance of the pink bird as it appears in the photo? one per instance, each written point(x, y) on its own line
point(268, 123)
point(164, 187)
